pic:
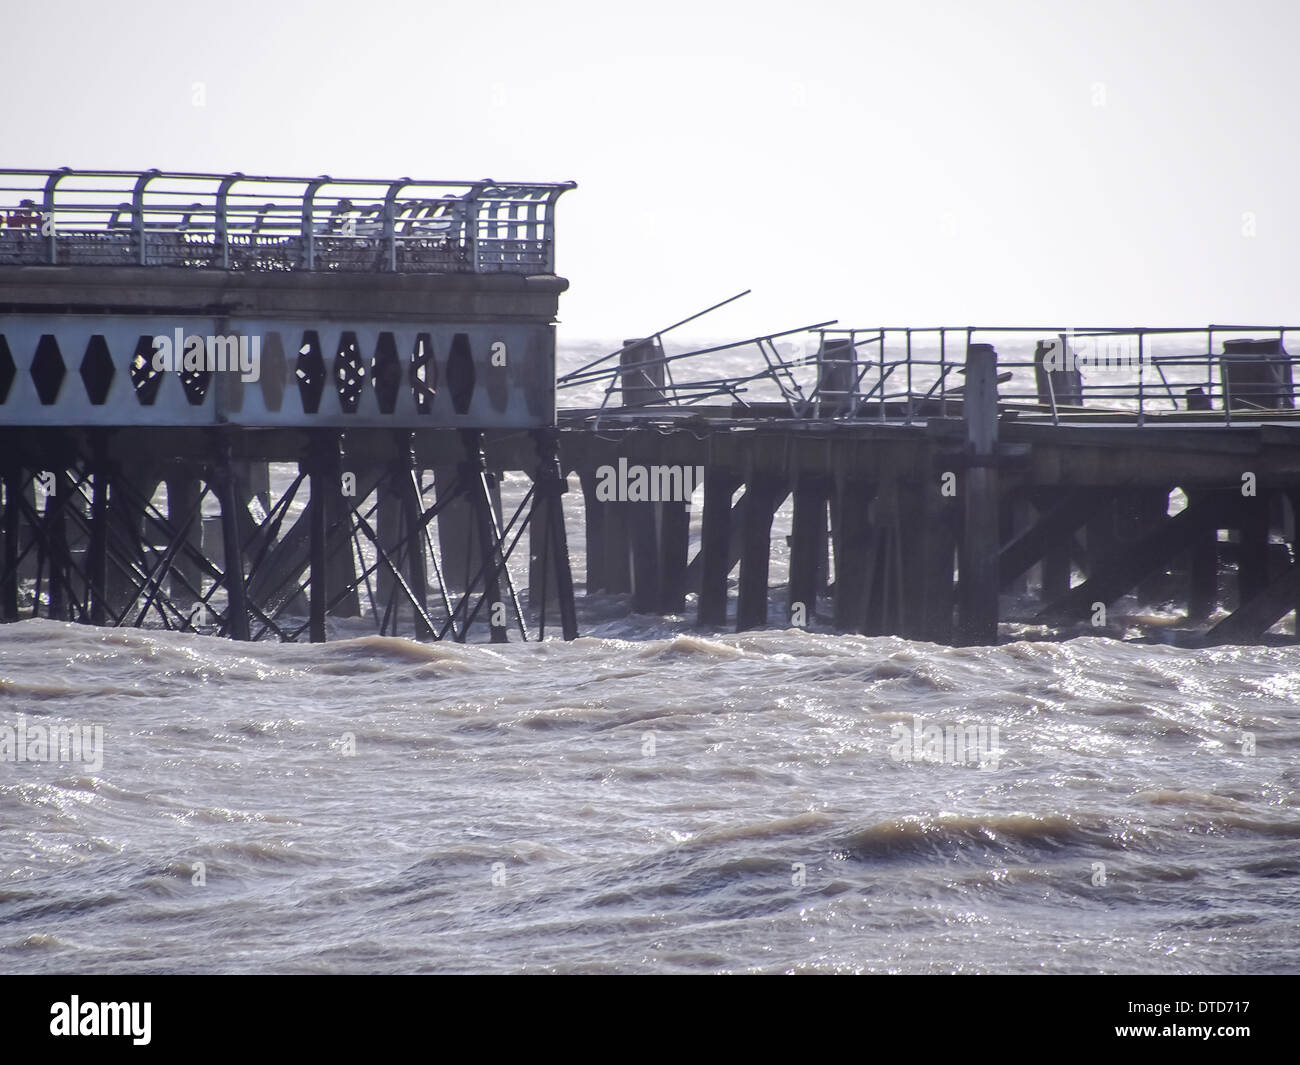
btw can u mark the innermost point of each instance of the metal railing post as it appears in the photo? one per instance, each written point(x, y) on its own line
point(390, 221)
point(222, 223)
point(308, 219)
point(1141, 364)
point(47, 211)
point(137, 215)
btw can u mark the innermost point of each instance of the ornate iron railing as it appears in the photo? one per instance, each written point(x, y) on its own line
point(240, 222)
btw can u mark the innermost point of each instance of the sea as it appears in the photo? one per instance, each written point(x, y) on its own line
point(650, 798)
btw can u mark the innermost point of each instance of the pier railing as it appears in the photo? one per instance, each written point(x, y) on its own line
point(1132, 375)
point(243, 222)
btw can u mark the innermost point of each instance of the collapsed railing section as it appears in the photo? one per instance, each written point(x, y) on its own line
point(242, 222)
point(1128, 374)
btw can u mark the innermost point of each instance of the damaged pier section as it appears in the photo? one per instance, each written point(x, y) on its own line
point(939, 483)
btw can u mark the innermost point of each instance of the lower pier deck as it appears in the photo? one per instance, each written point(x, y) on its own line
point(1196, 522)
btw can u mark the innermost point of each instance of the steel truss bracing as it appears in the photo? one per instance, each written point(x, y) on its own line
point(85, 536)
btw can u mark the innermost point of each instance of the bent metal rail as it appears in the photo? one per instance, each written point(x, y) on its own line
point(1139, 375)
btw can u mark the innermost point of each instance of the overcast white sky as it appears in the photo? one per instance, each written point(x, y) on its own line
point(881, 163)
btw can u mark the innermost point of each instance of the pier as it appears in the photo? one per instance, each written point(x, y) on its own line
point(270, 407)
point(169, 341)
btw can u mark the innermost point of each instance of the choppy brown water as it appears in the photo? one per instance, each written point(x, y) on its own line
point(651, 804)
point(649, 800)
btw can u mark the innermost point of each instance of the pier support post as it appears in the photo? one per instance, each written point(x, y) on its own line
point(715, 541)
point(1100, 538)
point(390, 531)
point(455, 539)
point(547, 526)
point(854, 539)
point(1056, 568)
point(641, 518)
point(594, 514)
point(763, 493)
point(97, 548)
point(927, 523)
point(476, 479)
point(399, 530)
point(1203, 567)
point(808, 543)
point(1252, 548)
point(980, 581)
point(674, 551)
point(12, 475)
point(883, 594)
point(56, 537)
point(230, 498)
point(618, 548)
point(183, 496)
point(413, 516)
point(129, 497)
point(458, 536)
point(324, 476)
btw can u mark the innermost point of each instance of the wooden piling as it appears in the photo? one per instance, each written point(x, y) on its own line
point(644, 541)
point(594, 515)
point(927, 523)
point(674, 549)
point(808, 546)
point(12, 483)
point(980, 582)
point(853, 535)
point(715, 537)
point(763, 494)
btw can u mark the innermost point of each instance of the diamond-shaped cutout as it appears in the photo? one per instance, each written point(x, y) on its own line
point(97, 370)
point(8, 369)
point(145, 379)
point(349, 372)
point(48, 370)
point(273, 371)
point(387, 373)
point(460, 373)
point(424, 373)
point(195, 382)
point(310, 372)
